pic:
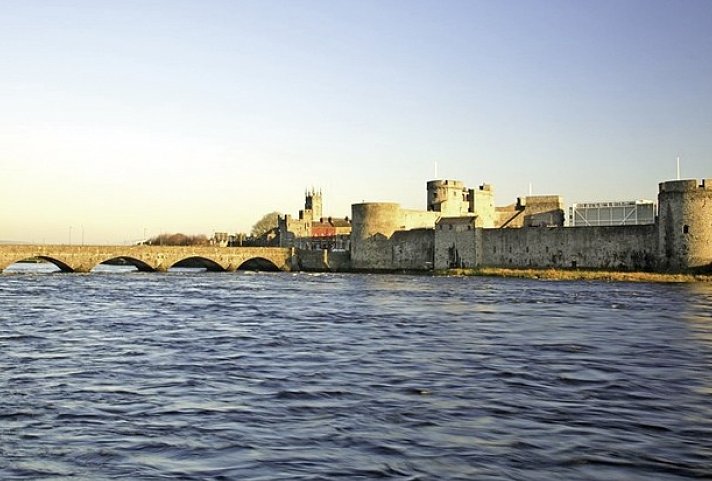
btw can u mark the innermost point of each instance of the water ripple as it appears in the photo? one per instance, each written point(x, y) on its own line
point(121, 375)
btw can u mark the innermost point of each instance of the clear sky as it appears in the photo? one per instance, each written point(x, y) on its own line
point(119, 118)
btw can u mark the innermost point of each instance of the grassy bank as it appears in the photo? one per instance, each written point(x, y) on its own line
point(577, 275)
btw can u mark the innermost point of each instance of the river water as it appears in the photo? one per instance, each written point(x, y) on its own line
point(279, 376)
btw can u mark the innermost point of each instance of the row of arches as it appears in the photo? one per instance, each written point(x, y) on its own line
point(49, 263)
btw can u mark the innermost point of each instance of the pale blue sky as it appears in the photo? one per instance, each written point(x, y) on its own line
point(119, 117)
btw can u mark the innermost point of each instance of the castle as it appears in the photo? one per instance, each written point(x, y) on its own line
point(462, 228)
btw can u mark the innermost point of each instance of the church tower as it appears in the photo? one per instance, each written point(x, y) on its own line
point(312, 205)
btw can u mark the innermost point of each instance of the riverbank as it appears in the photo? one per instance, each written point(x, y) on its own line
point(576, 275)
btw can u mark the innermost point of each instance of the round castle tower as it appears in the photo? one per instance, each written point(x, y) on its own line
point(448, 197)
point(371, 223)
point(685, 224)
point(371, 218)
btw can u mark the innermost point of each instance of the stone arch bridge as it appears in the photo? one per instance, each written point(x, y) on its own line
point(74, 258)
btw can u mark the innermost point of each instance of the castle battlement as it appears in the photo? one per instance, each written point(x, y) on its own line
point(687, 185)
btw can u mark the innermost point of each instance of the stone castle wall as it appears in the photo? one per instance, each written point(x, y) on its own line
point(455, 243)
point(611, 247)
point(418, 219)
point(323, 260)
point(412, 250)
point(619, 247)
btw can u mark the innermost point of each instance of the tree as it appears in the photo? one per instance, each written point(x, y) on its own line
point(178, 240)
point(265, 224)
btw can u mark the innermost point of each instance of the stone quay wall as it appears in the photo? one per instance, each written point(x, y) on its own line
point(612, 247)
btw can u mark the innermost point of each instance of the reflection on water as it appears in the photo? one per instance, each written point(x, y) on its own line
point(195, 375)
point(31, 268)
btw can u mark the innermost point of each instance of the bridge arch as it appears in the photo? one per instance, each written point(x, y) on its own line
point(62, 266)
point(258, 264)
point(137, 263)
point(199, 262)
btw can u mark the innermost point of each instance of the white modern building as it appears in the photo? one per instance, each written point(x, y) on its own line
point(592, 214)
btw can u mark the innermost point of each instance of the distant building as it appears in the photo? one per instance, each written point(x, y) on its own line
point(329, 233)
point(593, 214)
point(532, 211)
point(290, 229)
point(312, 231)
point(223, 239)
point(220, 239)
